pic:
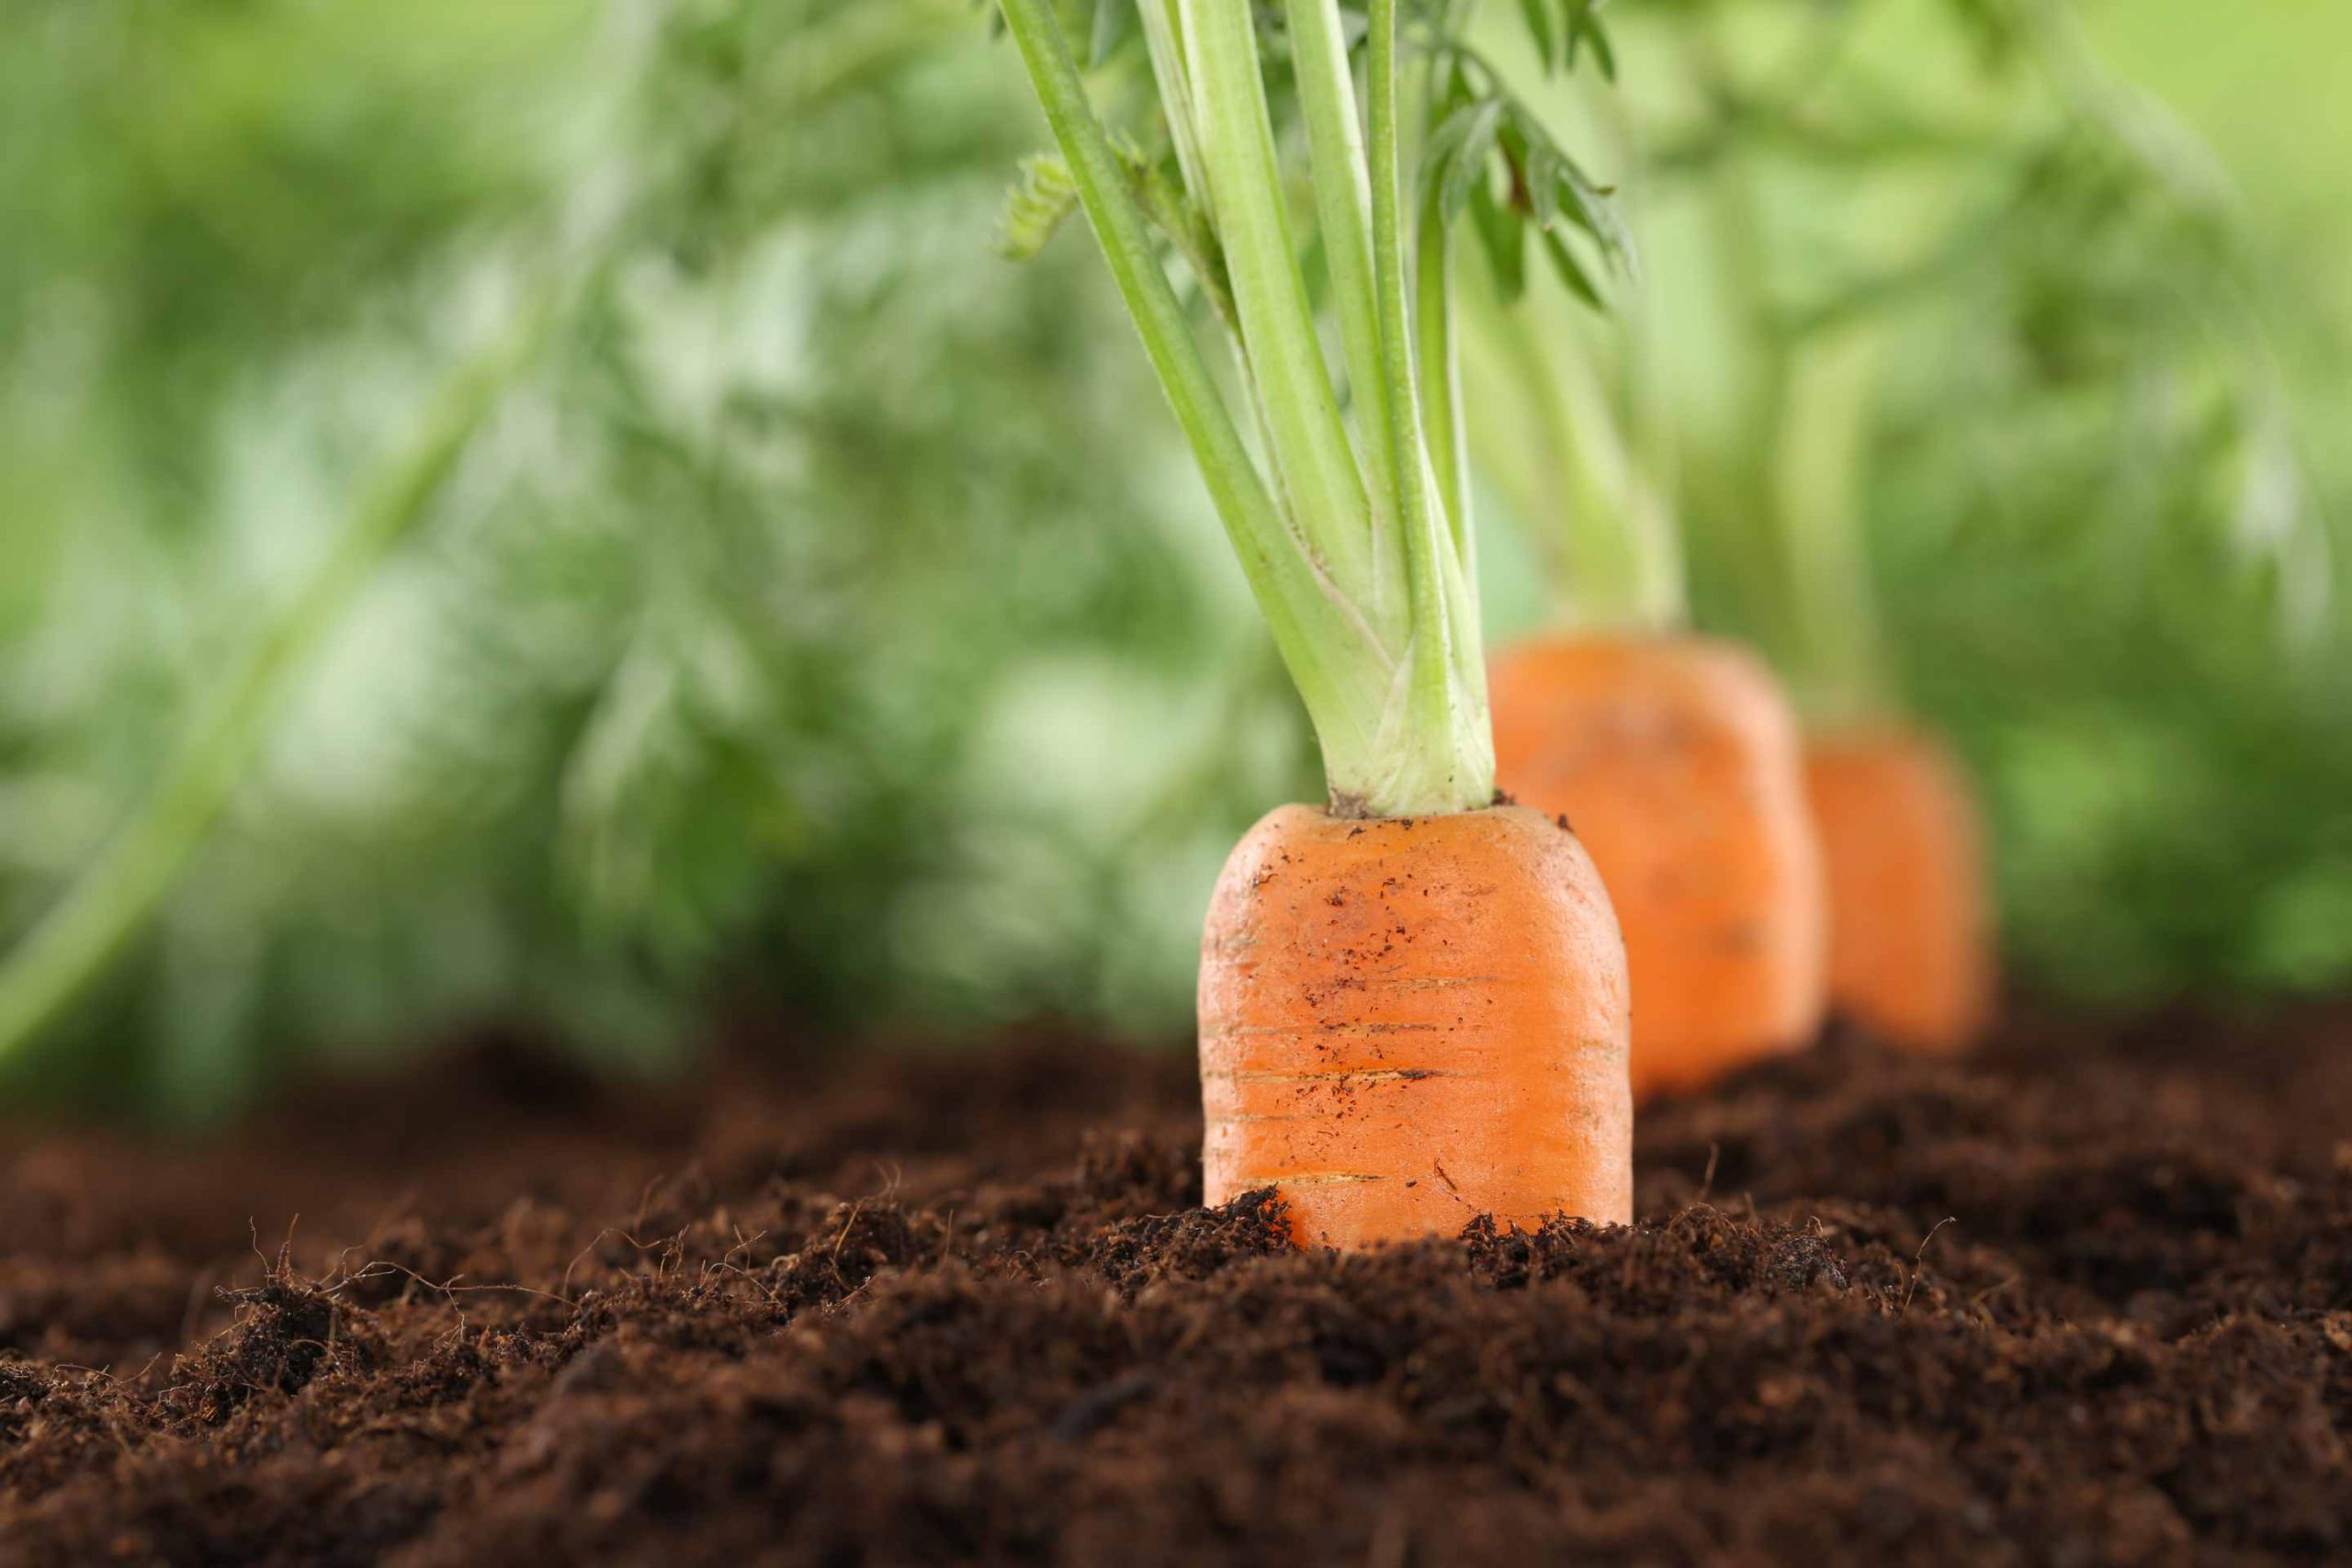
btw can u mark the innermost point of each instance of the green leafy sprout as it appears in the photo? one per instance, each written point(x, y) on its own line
point(1351, 514)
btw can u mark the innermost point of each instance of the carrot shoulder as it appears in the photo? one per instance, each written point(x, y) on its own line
point(1676, 760)
point(1408, 1022)
point(1911, 950)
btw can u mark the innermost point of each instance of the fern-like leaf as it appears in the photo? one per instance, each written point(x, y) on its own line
point(1036, 207)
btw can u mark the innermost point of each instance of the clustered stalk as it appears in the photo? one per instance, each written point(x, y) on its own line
point(1816, 508)
point(1563, 459)
point(1352, 520)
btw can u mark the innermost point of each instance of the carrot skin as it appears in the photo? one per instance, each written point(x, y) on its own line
point(1911, 930)
point(1409, 1022)
point(1677, 760)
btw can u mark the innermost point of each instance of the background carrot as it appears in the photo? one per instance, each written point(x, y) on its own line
point(1408, 1022)
point(1674, 757)
point(1676, 760)
point(1910, 949)
point(1817, 406)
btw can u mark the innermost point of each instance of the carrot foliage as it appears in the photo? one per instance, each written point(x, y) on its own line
point(1927, 234)
point(1186, 131)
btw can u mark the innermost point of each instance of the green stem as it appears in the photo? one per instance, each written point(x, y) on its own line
point(1311, 455)
point(1639, 454)
point(1343, 209)
point(1801, 425)
point(1761, 411)
point(1606, 530)
point(1803, 430)
point(1446, 752)
point(1439, 363)
point(1339, 666)
point(1818, 502)
point(1233, 484)
point(1517, 409)
point(1163, 34)
point(50, 969)
point(1441, 377)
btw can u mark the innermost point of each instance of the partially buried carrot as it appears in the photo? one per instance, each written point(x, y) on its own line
point(1409, 1022)
point(1911, 953)
point(1413, 1007)
point(1676, 760)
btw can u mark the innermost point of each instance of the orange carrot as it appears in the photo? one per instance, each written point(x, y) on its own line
point(1409, 1022)
point(1412, 1013)
point(1676, 760)
point(1910, 949)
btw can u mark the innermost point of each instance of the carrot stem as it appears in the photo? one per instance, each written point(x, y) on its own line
point(1447, 718)
point(1357, 556)
point(1817, 507)
point(1312, 462)
point(1440, 377)
point(1343, 208)
point(1562, 458)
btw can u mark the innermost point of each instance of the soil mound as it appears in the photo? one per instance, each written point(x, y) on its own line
point(2085, 1298)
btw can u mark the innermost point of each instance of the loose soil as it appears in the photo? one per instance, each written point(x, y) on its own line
point(2086, 1298)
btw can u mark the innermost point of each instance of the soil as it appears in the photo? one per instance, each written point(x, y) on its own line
point(2085, 1298)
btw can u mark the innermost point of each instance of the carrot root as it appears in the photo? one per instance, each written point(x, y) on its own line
point(1409, 1022)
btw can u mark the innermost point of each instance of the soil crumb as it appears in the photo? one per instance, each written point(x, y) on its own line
point(2084, 1298)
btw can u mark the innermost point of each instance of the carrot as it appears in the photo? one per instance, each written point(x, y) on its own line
point(1910, 948)
point(1413, 1005)
point(1408, 1022)
point(1676, 759)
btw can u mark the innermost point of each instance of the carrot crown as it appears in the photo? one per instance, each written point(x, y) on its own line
point(1351, 514)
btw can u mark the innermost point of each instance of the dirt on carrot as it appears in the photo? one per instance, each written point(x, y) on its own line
point(2085, 1297)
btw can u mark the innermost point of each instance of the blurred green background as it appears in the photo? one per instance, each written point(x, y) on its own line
point(824, 622)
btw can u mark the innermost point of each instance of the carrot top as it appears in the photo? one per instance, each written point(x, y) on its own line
point(1350, 512)
point(1953, 254)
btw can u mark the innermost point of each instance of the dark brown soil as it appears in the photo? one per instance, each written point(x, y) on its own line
point(2085, 1299)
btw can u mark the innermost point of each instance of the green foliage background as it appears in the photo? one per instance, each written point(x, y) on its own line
point(828, 616)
